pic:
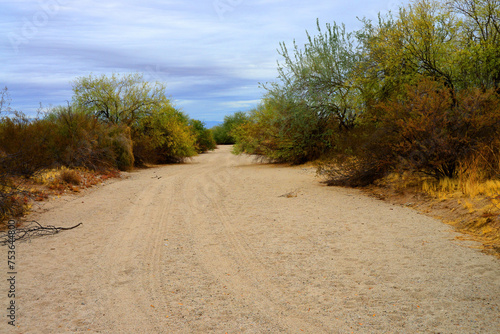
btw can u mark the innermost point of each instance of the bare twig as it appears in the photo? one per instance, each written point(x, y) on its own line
point(33, 229)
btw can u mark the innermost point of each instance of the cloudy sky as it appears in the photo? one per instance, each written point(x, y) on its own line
point(212, 54)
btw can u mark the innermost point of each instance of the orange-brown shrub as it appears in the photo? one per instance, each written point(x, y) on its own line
point(430, 130)
point(435, 131)
point(25, 145)
point(70, 176)
point(81, 140)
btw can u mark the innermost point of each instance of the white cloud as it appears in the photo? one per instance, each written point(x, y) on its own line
point(241, 105)
point(212, 62)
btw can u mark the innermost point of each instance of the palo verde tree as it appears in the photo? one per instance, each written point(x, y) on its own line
point(314, 100)
point(118, 99)
point(455, 42)
point(160, 132)
point(321, 75)
point(479, 37)
point(418, 41)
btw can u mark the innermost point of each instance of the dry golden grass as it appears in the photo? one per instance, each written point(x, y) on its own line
point(461, 187)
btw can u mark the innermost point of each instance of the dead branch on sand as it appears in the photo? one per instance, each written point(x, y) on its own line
point(33, 229)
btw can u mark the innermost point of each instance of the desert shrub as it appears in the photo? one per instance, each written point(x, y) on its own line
point(163, 137)
point(11, 206)
point(429, 130)
point(13, 201)
point(434, 130)
point(223, 133)
point(24, 148)
point(204, 138)
point(481, 129)
point(70, 176)
point(484, 161)
point(25, 145)
point(284, 131)
point(122, 145)
point(350, 173)
point(62, 138)
point(80, 139)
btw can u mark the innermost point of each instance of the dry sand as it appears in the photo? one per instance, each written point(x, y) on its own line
point(225, 245)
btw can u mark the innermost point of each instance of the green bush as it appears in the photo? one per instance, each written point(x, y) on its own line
point(223, 133)
point(204, 137)
point(122, 145)
point(163, 137)
point(159, 132)
point(283, 131)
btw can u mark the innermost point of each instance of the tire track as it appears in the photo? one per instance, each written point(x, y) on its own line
point(134, 257)
point(238, 266)
point(153, 255)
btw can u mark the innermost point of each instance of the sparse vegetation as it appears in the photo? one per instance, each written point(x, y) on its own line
point(70, 177)
point(112, 124)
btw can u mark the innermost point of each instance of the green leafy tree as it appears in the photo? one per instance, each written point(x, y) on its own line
point(204, 137)
point(316, 98)
point(222, 133)
point(419, 41)
point(479, 37)
point(164, 137)
point(118, 99)
point(455, 42)
point(321, 75)
point(160, 133)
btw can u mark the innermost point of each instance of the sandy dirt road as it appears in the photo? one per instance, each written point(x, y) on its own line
point(216, 246)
